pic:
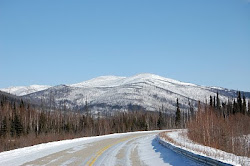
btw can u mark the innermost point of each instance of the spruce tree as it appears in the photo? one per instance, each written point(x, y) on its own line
point(3, 129)
point(239, 103)
point(248, 105)
point(1, 104)
point(160, 120)
point(86, 108)
point(214, 102)
point(244, 106)
point(191, 109)
point(17, 125)
point(229, 107)
point(12, 128)
point(218, 100)
point(211, 101)
point(13, 121)
point(235, 107)
point(177, 115)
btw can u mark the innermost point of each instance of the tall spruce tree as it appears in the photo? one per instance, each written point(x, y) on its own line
point(211, 101)
point(239, 102)
point(248, 105)
point(229, 107)
point(214, 102)
point(235, 107)
point(218, 100)
point(244, 105)
point(18, 125)
point(177, 115)
point(191, 109)
point(160, 120)
point(86, 108)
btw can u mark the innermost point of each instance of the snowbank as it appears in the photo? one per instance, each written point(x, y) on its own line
point(178, 141)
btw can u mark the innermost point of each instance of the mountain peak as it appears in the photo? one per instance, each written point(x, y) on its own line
point(100, 81)
point(146, 90)
point(24, 90)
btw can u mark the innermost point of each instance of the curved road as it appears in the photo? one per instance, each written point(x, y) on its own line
point(139, 148)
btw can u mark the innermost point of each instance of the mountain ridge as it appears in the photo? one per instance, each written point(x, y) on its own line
point(24, 90)
point(145, 91)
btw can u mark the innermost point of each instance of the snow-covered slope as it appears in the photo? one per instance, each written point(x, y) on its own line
point(103, 81)
point(24, 90)
point(145, 91)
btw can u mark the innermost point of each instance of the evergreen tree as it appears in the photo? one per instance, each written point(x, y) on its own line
point(214, 102)
point(239, 103)
point(160, 121)
point(177, 115)
point(211, 101)
point(3, 129)
point(229, 107)
point(191, 109)
point(218, 100)
point(17, 125)
point(21, 104)
point(42, 123)
point(86, 108)
point(244, 106)
point(14, 106)
point(13, 122)
point(235, 107)
point(1, 104)
point(12, 128)
point(248, 105)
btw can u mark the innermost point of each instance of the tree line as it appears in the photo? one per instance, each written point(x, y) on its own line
point(23, 125)
point(230, 107)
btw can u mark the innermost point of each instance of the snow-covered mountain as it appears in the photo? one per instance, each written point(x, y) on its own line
point(142, 91)
point(24, 90)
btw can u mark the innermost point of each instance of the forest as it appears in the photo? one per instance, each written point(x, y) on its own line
point(223, 125)
point(22, 124)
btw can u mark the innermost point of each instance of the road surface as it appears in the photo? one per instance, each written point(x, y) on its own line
point(139, 148)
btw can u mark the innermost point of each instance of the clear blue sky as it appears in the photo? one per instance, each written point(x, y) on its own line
point(206, 42)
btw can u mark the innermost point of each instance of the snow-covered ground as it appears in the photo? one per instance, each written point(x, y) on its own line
point(151, 152)
point(182, 141)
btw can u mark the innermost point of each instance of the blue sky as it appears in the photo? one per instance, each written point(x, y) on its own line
point(206, 42)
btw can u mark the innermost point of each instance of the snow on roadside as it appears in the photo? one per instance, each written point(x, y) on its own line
point(182, 141)
point(151, 152)
point(27, 154)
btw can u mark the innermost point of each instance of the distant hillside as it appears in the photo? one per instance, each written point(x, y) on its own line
point(24, 90)
point(142, 91)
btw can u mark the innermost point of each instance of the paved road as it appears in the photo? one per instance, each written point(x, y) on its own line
point(133, 149)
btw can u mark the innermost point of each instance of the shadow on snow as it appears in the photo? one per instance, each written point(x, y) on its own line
point(171, 157)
